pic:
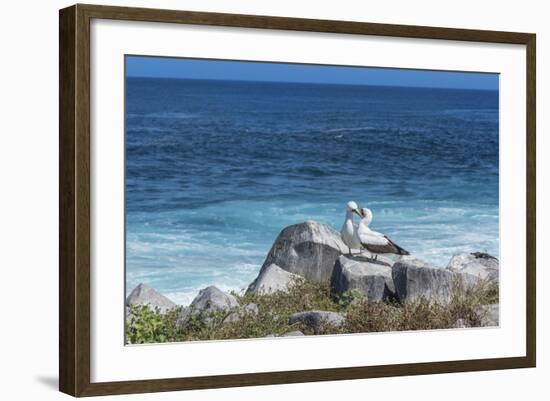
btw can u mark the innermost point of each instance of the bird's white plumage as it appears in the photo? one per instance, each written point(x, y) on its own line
point(366, 235)
point(349, 232)
point(360, 236)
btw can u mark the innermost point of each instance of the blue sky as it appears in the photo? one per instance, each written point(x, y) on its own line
point(164, 67)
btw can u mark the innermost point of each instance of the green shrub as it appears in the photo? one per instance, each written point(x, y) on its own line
point(151, 326)
point(348, 298)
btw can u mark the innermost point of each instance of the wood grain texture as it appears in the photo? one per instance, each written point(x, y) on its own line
point(82, 199)
point(301, 24)
point(74, 199)
point(531, 202)
point(300, 376)
point(67, 130)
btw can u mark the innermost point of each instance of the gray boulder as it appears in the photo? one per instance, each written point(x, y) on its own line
point(127, 315)
point(247, 310)
point(145, 295)
point(308, 249)
point(209, 300)
point(273, 279)
point(489, 315)
point(296, 333)
point(414, 279)
point(481, 266)
point(370, 278)
point(251, 308)
point(318, 321)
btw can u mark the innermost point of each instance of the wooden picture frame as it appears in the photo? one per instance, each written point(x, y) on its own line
point(74, 200)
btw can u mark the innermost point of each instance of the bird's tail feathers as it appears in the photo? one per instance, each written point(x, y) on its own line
point(400, 251)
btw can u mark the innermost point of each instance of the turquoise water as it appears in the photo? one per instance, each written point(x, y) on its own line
point(216, 169)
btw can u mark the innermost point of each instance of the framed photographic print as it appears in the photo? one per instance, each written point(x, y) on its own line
point(250, 200)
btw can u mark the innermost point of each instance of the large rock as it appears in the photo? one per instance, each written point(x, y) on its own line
point(318, 321)
point(480, 265)
point(209, 300)
point(308, 249)
point(414, 279)
point(145, 295)
point(273, 279)
point(370, 278)
point(247, 310)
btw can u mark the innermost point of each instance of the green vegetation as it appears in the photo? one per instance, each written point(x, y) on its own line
point(272, 319)
point(151, 326)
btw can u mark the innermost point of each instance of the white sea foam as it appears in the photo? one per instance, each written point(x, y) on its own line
point(344, 129)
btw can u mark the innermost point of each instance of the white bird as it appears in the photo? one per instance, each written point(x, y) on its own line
point(349, 229)
point(373, 241)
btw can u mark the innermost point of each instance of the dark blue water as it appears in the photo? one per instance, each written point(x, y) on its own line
point(215, 169)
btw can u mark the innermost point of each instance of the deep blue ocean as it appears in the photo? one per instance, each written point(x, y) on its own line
point(215, 170)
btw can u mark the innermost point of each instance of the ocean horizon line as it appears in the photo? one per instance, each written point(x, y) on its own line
point(311, 83)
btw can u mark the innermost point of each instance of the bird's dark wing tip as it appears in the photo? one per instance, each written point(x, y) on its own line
point(400, 251)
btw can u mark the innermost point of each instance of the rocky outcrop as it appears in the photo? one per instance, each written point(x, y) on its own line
point(315, 251)
point(318, 321)
point(370, 278)
point(144, 295)
point(479, 265)
point(210, 300)
point(273, 279)
point(247, 310)
point(309, 249)
point(414, 279)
